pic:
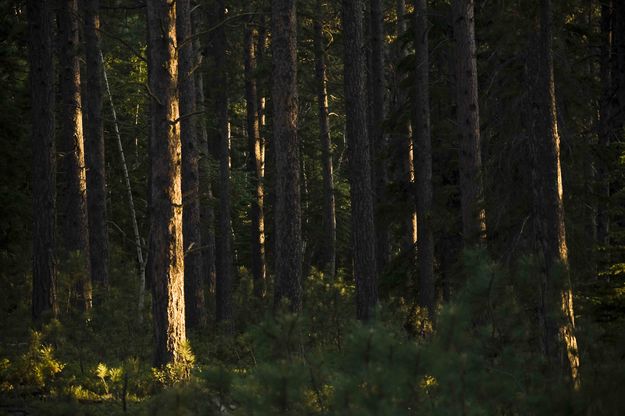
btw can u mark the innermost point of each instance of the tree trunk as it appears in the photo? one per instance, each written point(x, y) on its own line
point(377, 137)
point(71, 145)
point(43, 157)
point(254, 165)
point(363, 231)
point(329, 212)
point(224, 233)
point(468, 116)
point(288, 234)
point(166, 256)
point(423, 147)
point(94, 148)
point(556, 310)
point(191, 228)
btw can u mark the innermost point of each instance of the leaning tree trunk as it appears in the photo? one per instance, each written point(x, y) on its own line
point(224, 232)
point(423, 149)
point(43, 157)
point(363, 231)
point(193, 287)
point(556, 309)
point(254, 166)
point(71, 146)
point(329, 211)
point(468, 118)
point(94, 148)
point(288, 234)
point(166, 252)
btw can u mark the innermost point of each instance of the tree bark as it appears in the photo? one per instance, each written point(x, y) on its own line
point(377, 137)
point(191, 228)
point(468, 118)
point(363, 230)
point(556, 309)
point(43, 158)
point(94, 148)
point(71, 145)
point(423, 147)
point(224, 233)
point(288, 234)
point(254, 166)
point(329, 211)
point(166, 252)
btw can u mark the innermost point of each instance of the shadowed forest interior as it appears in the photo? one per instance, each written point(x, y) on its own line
point(280, 207)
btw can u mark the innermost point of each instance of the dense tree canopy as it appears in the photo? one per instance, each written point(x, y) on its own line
point(312, 207)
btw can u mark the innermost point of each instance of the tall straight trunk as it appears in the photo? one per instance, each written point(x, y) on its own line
point(254, 166)
point(423, 149)
point(363, 230)
point(166, 255)
point(71, 146)
point(468, 118)
point(207, 211)
point(191, 228)
point(43, 157)
point(403, 153)
point(556, 309)
point(329, 211)
point(377, 138)
point(224, 237)
point(288, 234)
point(94, 148)
point(605, 129)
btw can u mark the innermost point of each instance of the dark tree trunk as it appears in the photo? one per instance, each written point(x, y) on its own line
point(556, 308)
point(166, 255)
point(329, 213)
point(224, 232)
point(191, 228)
point(94, 148)
point(423, 150)
point(254, 166)
point(377, 138)
point(71, 146)
point(363, 231)
point(43, 157)
point(288, 234)
point(468, 117)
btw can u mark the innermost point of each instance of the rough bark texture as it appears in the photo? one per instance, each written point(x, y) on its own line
point(556, 306)
point(75, 229)
point(43, 157)
point(363, 231)
point(224, 232)
point(166, 256)
point(423, 147)
point(288, 244)
point(191, 228)
point(328, 255)
point(94, 148)
point(255, 166)
point(468, 118)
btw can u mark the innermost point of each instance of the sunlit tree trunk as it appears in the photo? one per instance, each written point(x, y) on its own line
point(556, 305)
point(94, 148)
point(254, 165)
point(288, 235)
point(423, 150)
point(193, 287)
point(363, 231)
point(468, 119)
point(166, 252)
point(74, 226)
point(328, 243)
point(43, 157)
